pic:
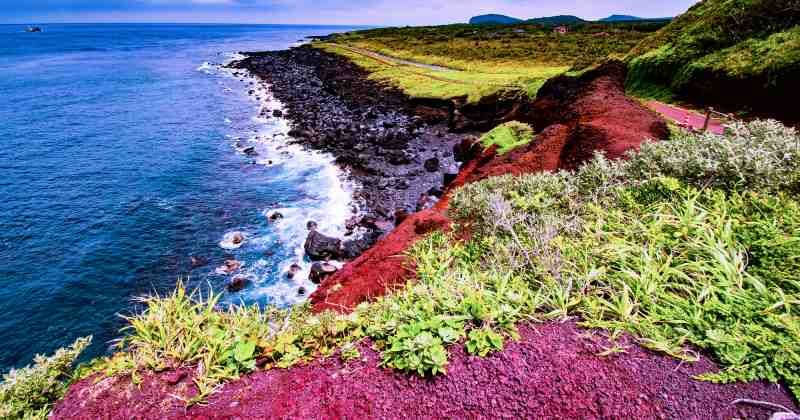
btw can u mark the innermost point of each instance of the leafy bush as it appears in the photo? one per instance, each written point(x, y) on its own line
point(411, 328)
point(676, 266)
point(30, 392)
point(761, 155)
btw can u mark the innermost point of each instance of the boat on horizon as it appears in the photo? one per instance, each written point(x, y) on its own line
point(33, 29)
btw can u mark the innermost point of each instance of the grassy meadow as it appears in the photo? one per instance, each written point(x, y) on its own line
point(485, 59)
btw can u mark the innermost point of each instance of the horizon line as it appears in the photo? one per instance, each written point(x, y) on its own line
point(184, 23)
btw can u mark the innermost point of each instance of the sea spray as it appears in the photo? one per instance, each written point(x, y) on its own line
point(327, 198)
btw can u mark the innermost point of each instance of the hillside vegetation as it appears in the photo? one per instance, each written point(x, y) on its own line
point(487, 58)
point(736, 53)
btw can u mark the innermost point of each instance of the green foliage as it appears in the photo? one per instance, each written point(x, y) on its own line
point(30, 392)
point(735, 39)
point(412, 328)
point(508, 136)
point(776, 58)
point(419, 347)
point(692, 242)
point(493, 48)
point(482, 342)
point(451, 299)
point(350, 352)
point(699, 279)
point(471, 84)
point(183, 329)
point(761, 155)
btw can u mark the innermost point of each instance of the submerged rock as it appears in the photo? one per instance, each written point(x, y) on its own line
point(237, 238)
point(233, 240)
point(198, 261)
point(238, 283)
point(229, 267)
point(293, 270)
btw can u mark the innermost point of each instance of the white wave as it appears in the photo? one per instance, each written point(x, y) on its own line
point(207, 68)
point(228, 241)
point(328, 200)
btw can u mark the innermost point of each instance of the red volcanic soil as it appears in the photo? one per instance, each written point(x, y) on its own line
point(577, 116)
point(385, 266)
point(552, 372)
point(379, 270)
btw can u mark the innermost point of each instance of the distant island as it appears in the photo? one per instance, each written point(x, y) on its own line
point(493, 19)
point(497, 19)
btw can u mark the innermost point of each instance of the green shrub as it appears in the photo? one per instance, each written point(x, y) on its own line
point(761, 155)
point(708, 268)
point(30, 392)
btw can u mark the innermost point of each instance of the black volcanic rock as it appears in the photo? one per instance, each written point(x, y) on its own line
point(320, 247)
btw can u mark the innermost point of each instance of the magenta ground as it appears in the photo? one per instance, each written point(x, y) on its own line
point(552, 372)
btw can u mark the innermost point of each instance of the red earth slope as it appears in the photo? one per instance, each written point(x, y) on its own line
point(575, 116)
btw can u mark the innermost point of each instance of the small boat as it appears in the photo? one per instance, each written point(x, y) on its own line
point(33, 29)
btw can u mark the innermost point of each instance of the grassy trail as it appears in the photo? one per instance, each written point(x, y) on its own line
point(405, 65)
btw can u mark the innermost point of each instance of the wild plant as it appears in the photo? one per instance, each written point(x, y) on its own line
point(30, 392)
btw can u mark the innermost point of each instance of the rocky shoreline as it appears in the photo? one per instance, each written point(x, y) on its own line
point(398, 161)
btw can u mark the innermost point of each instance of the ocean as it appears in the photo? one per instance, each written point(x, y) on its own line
point(124, 154)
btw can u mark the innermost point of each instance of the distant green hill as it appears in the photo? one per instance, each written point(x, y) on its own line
point(620, 18)
point(493, 19)
point(557, 20)
point(735, 53)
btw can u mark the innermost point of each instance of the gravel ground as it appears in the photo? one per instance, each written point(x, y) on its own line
point(554, 371)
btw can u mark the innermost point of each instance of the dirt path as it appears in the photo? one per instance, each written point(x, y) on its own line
point(385, 59)
point(686, 118)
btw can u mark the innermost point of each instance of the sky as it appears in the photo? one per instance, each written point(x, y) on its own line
point(336, 12)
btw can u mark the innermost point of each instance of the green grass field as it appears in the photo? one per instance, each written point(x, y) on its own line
point(484, 59)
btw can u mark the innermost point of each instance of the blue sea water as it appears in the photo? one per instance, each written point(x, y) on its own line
point(121, 156)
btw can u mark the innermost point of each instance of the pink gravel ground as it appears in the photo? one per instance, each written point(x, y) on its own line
point(554, 371)
point(682, 116)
